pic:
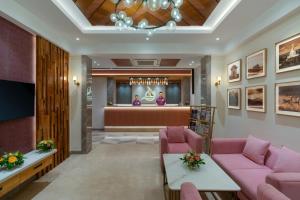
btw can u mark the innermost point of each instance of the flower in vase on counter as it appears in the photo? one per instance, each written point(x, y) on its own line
point(45, 145)
point(11, 160)
point(192, 160)
point(1, 161)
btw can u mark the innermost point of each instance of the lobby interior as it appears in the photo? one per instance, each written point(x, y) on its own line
point(149, 99)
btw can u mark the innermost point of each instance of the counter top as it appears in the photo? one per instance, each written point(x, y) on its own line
point(30, 159)
point(144, 105)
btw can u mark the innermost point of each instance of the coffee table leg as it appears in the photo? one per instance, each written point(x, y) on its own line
point(234, 196)
point(174, 195)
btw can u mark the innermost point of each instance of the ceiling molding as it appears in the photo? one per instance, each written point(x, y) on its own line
point(69, 8)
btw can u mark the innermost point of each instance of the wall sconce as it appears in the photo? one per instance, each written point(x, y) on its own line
point(218, 82)
point(76, 82)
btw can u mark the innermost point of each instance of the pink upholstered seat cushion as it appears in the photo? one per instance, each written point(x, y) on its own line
point(249, 179)
point(235, 161)
point(256, 149)
point(175, 134)
point(178, 148)
point(288, 161)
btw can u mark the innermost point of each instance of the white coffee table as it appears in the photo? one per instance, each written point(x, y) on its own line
point(208, 178)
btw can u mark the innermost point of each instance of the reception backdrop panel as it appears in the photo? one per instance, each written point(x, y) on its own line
point(148, 93)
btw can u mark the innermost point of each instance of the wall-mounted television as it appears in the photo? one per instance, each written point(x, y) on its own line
point(16, 100)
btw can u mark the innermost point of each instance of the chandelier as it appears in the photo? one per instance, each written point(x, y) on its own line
point(123, 21)
point(148, 81)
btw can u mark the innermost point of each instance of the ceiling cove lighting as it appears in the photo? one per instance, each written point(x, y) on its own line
point(69, 8)
point(123, 21)
point(148, 81)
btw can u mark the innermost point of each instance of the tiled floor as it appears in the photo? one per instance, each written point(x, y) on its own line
point(101, 137)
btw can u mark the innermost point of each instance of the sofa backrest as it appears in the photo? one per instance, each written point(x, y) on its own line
point(272, 156)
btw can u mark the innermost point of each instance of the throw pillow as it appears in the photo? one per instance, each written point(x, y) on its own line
point(175, 134)
point(256, 149)
point(288, 161)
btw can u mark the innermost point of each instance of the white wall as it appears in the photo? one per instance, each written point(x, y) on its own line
point(99, 87)
point(279, 129)
point(75, 104)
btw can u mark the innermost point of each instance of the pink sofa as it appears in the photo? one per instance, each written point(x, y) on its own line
point(248, 174)
point(178, 140)
point(189, 192)
point(268, 192)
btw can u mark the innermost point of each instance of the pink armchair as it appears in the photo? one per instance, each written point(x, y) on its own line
point(287, 183)
point(178, 140)
point(268, 192)
point(189, 192)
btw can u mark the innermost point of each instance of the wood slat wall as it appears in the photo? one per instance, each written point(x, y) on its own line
point(52, 97)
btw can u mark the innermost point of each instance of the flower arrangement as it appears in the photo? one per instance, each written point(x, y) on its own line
point(192, 160)
point(45, 145)
point(11, 160)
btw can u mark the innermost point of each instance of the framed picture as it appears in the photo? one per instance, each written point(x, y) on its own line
point(288, 98)
point(256, 64)
point(234, 71)
point(234, 98)
point(288, 54)
point(256, 98)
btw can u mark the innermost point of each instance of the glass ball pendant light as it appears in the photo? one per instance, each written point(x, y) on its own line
point(154, 5)
point(122, 21)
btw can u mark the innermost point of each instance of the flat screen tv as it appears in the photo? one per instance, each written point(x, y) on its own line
point(16, 100)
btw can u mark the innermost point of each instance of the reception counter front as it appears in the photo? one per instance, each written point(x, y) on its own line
point(145, 117)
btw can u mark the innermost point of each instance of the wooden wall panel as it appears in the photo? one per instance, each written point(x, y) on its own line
point(52, 96)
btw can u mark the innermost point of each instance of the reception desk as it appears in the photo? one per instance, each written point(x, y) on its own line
point(145, 117)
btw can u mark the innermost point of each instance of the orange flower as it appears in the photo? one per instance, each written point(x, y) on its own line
point(1, 159)
point(12, 159)
point(197, 158)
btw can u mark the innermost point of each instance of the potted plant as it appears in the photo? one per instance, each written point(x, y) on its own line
point(45, 145)
point(11, 160)
point(192, 160)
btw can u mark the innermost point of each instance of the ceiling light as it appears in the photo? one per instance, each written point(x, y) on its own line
point(217, 38)
point(123, 21)
point(193, 62)
point(98, 64)
point(77, 38)
point(95, 62)
point(147, 38)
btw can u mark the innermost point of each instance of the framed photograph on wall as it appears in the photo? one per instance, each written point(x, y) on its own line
point(288, 54)
point(288, 98)
point(256, 98)
point(234, 98)
point(234, 71)
point(256, 64)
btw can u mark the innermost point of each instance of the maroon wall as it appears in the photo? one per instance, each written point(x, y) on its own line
point(17, 63)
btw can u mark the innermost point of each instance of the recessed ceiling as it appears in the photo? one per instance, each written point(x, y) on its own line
point(142, 62)
point(194, 12)
point(242, 22)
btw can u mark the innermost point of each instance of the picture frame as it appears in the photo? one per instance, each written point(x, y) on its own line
point(288, 54)
point(256, 64)
point(234, 98)
point(287, 98)
point(255, 97)
point(234, 71)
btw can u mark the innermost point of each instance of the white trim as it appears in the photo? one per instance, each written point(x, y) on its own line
point(69, 8)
